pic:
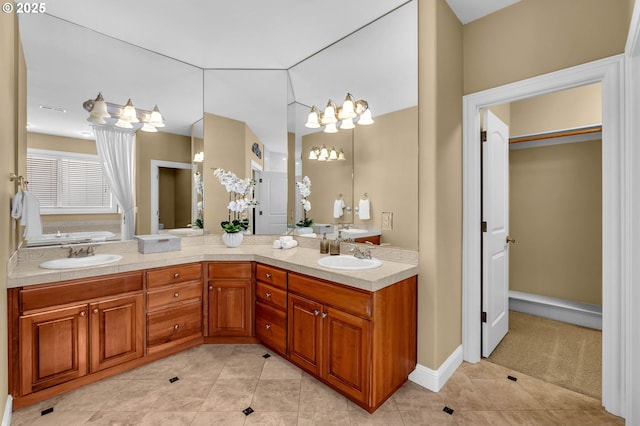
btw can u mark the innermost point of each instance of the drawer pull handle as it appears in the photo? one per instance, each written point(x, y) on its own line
point(95, 311)
point(176, 327)
point(268, 326)
point(176, 294)
point(210, 287)
point(176, 275)
point(82, 313)
point(324, 315)
point(267, 275)
point(268, 295)
point(316, 313)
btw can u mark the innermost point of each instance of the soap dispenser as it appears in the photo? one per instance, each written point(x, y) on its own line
point(324, 244)
point(334, 248)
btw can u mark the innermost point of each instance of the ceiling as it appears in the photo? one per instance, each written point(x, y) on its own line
point(246, 63)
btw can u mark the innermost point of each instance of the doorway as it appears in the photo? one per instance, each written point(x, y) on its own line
point(172, 195)
point(609, 73)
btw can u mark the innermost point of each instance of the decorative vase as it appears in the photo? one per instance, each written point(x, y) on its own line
point(232, 239)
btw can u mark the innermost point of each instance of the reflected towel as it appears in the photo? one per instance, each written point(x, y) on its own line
point(31, 216)
point(289, 244)
point(338, 205)
point(364, 210)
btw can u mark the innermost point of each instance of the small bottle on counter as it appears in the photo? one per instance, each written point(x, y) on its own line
point(334, 247)
point(324, 244)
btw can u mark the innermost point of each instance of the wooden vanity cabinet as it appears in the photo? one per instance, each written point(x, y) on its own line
point(71, 329)
point(361, 343)
point(174, 307)
point(229, 299)
point(271, 307)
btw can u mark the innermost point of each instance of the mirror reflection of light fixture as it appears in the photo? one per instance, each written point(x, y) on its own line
point(106, 113)
point(350, 111)
point(323, 154)
point(198, 157)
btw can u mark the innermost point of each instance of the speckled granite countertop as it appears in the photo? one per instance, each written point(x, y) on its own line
point(397, 264)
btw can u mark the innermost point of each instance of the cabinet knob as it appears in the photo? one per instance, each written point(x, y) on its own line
point(176, 294)
point(210, 287)
point(83, 313)
point(268, 326)
point(316, 313)
point(95, 311)
point(267, 275)
point(176, 327)
point(324, 315)
point(267, 295)
point(176, 275)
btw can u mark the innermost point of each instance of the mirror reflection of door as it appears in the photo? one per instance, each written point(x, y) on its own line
point(174, 203)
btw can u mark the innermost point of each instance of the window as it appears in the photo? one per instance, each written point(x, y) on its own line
point(68, 182)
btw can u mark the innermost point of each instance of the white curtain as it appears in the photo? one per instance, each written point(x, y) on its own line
point(116, 150)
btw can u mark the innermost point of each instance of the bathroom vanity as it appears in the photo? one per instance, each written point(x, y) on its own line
point(354, 331)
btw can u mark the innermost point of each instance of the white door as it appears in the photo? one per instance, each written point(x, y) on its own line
point(272, 210)
point(495, 213)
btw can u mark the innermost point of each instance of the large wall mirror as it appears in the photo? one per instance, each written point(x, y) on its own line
point(242, 117)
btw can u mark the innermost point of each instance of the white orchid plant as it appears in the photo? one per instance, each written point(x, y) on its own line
point(305, 190)
point(240, 199)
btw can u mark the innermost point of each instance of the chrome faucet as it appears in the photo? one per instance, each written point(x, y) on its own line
point(81, 251)
point(361, 253)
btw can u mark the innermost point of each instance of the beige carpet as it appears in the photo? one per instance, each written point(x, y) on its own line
point(563, 354)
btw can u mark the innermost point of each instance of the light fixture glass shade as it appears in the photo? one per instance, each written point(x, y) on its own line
point(156, 119)
point(100, 108)
point(96, 119)
point(129, 113)
point(313, 155)
point(198, 157)
point(365, 118)
point(347, 110)
point(330, 113)
point(148, 128)
point(312, 119)
point(123, 124)
point(333, 155)
point(347, 124)
point(341, 155)
point(331, 128)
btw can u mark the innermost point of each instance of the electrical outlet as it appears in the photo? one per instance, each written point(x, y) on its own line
point(387, 221)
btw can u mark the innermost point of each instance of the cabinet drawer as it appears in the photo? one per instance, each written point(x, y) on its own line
point(170, 325)
point(229, 270)
point(271, 295)
point(174, 274)
point(357, 302)
point(175, 294)
point(274, 276)
point(271, 327)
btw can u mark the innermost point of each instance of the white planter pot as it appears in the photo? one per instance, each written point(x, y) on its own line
point(233, 239)
point(300, 230)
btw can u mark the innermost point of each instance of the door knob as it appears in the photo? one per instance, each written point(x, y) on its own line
point(511, 240)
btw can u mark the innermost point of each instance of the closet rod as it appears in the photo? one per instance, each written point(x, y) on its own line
point(560, 134)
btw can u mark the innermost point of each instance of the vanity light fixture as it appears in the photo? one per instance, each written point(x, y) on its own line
point(346, 115)
point(324, 154)
point(106, 113)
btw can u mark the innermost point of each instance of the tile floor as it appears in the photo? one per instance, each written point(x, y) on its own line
point(217, 382)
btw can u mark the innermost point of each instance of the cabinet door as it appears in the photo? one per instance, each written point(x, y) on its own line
point(53, 347)
point(117, 331)
point(346, 353)
point(305, 333)
point(229, 308)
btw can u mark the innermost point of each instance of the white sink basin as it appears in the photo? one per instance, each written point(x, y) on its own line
point(354, 231)
point(80, 262)
point(348, 262)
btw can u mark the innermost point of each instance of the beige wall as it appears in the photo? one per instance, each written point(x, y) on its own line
point(328, 178)
point(386, 168)
point(556, 218)
point(61, 143)
point(534, 37)
point(12, 159)
point(439, 182)
point(568, 109)
point(155, 146)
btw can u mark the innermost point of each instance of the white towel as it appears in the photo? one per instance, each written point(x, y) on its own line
point(286, 238)
point(31, 216)
point(277, 244)
point(364, 208)
point(16, 205)
point(289, 244)
point(338, 205)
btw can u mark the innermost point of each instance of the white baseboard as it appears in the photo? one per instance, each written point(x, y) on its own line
point(434, 380)
point(577, 313)
point(8, 409)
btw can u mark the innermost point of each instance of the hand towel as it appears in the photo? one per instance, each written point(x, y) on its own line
point(286, 238)
point(277, 244)
point(16, 205)
point(31, 216)
point(364, 208)
point(289, 244)
point(338, 205)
